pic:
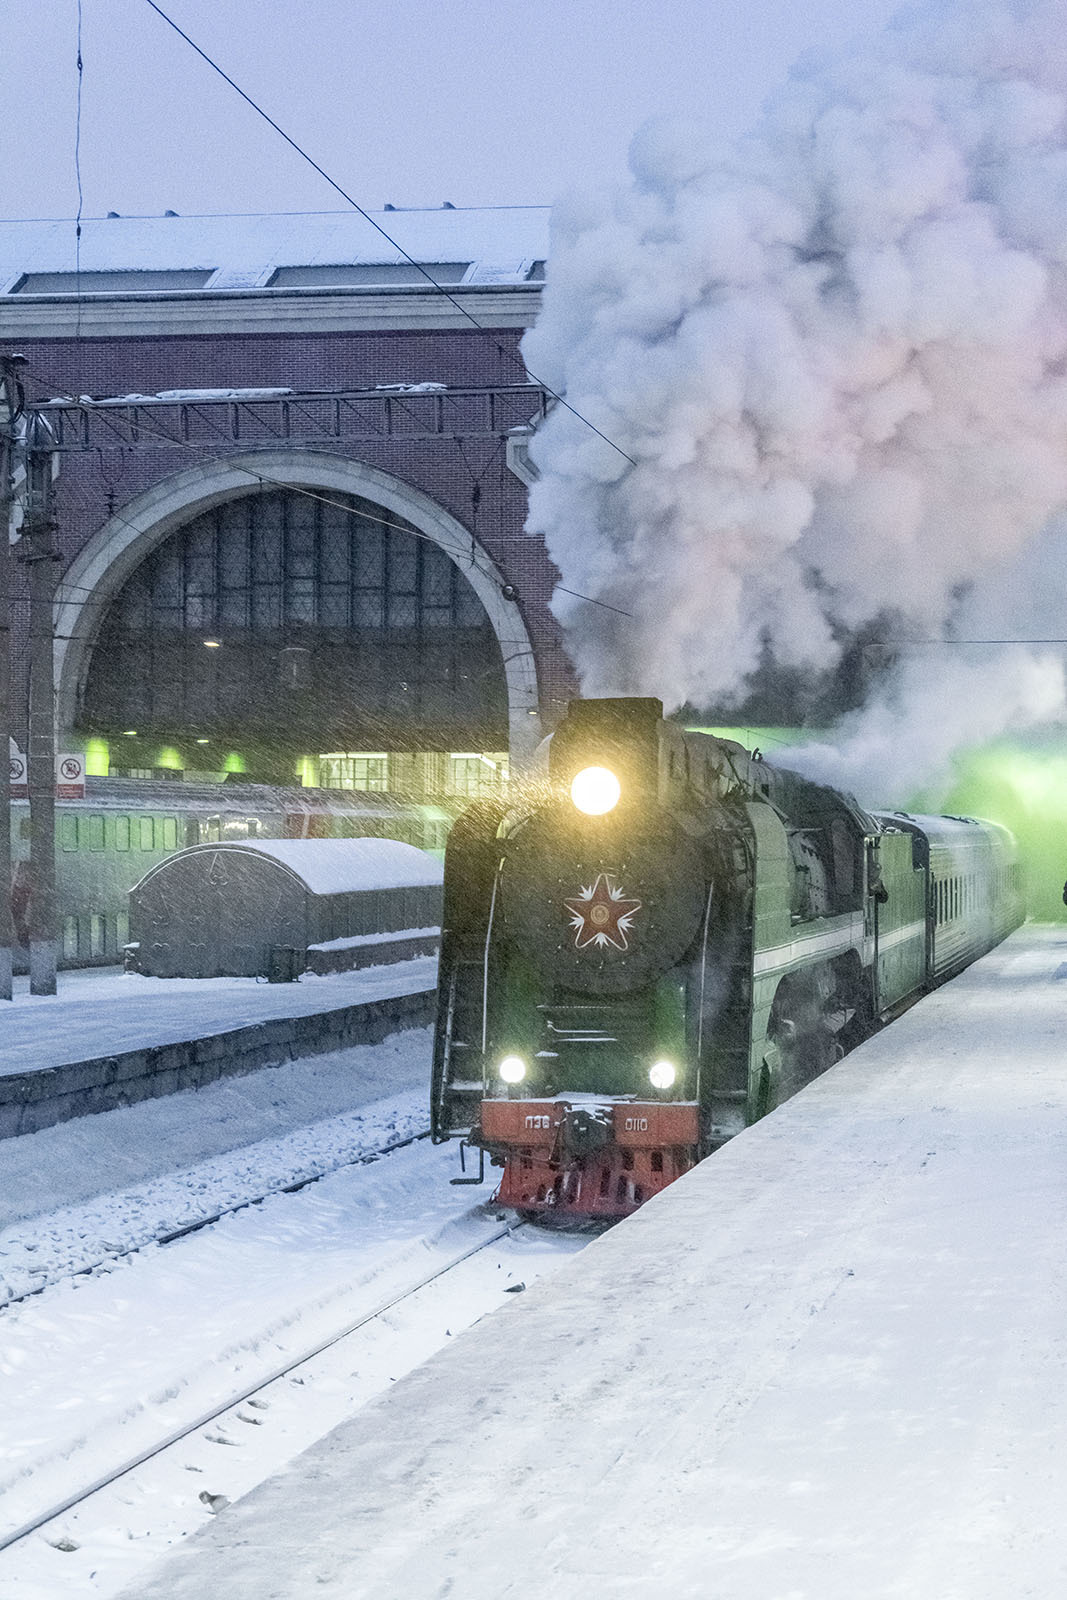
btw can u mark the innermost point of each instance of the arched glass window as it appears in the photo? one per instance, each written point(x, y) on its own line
point(284, 559)
point(295, 622)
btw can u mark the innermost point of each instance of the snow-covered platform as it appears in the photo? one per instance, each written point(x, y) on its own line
point(827, 1363)
point(110, 1038)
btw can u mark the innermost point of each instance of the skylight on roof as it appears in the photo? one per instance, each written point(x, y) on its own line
point(384, 274)
point(133, 281)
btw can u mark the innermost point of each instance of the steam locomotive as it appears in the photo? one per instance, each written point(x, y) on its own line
point(666, 938)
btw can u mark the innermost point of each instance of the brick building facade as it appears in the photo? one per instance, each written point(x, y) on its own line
point(427, 447)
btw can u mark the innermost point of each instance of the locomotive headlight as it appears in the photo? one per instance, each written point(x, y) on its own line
point(595, 791)
point(661, 1074)
point(512, 1069)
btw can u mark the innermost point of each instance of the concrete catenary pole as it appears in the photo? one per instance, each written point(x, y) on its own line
point(37, 550)
point(11, 404)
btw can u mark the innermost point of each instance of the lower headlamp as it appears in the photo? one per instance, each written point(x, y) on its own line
point(512, 1069)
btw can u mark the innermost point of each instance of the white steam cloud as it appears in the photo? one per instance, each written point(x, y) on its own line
point(837, 355)
point(905, 738)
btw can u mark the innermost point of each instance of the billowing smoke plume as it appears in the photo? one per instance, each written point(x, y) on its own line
point(904, 738)
point(837, 356)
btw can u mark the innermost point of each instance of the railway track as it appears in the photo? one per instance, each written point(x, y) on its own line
point(404, 1301)
point(108, 1256)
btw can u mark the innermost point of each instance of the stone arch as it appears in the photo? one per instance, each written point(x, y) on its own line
point(103, 565)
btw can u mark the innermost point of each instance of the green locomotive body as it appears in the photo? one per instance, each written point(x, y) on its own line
point(665, 938)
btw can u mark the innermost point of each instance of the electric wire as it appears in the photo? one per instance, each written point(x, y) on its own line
point(440, 288)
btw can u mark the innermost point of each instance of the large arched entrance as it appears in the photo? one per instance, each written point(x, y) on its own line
point(293, 615)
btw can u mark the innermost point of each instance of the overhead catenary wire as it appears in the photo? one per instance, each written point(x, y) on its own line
point(509, 355)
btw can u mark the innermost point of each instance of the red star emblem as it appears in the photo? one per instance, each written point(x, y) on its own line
point(602, 915)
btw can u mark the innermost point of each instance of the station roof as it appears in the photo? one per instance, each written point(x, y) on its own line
point(492, 246)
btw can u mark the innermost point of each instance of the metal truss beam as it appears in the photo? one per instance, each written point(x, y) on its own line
point(213, 418)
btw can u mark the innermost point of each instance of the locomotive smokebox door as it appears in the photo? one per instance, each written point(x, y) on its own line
point(602, 907)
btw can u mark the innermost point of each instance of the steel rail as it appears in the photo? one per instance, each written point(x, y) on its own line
point(113, 1475)
point(364, 1159)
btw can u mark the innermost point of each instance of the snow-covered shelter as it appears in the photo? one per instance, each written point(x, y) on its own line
point(227, 909)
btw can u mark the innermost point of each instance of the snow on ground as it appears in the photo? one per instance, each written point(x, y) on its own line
point(93, 1551)
point(102, 1011)
point(98, 1367)
point(75, 1162)
point(828, 1363)
point(74, 1238)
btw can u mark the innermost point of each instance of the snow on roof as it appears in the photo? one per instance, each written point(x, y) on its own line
point(500, 243)
point(342, 866)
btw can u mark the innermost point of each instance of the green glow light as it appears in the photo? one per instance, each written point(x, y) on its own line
point(169, 757)
point(1021, 784)
point(97, 758)
point(235, 762)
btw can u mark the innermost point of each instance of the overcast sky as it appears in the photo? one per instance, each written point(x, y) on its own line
point(481, 102)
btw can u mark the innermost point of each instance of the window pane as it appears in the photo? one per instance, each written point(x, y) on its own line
point(92, 833)
point(167, 587)
point(68, 833)
point(122, 833)
point(200, 575)
point(146, 828)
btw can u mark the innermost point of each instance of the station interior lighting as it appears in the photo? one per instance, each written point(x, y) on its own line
point(512, 1069)
point(595, 791)
point(212, 644)
point(661, 1074)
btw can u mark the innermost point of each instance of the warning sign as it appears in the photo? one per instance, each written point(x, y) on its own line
point(70, 777)
point(19, 789)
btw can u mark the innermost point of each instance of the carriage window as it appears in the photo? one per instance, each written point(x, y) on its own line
point(353, 770)
point(68, 833)
point(122, 833)
point(146, 832)
point(70, 938)
point(91, 833)
point(166, 833)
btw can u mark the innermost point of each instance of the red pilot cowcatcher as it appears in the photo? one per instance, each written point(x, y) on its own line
point(649, 1145)
point(602, 915)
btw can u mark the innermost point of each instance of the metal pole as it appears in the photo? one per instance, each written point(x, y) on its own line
point(10, 410)
point(37, 550)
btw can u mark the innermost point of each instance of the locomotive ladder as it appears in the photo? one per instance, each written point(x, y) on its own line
point(457, 1093)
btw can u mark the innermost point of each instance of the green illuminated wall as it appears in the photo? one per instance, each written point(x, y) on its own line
point(1024, 786)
